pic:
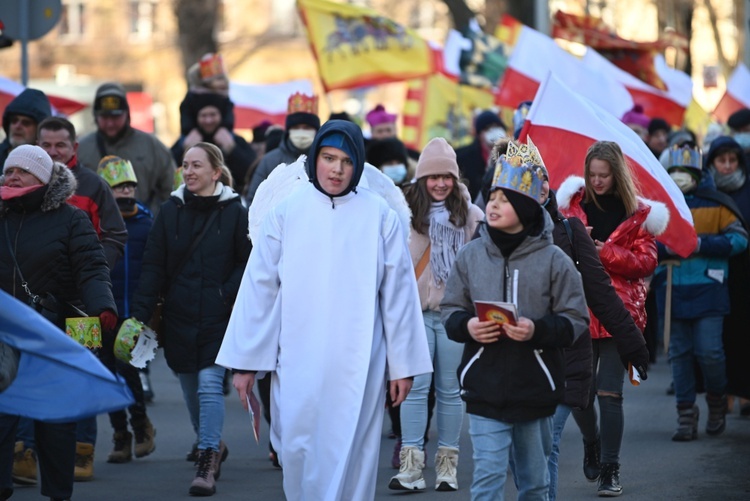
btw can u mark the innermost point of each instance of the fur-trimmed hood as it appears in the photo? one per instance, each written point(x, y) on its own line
point(573, 188)
point(62, 185)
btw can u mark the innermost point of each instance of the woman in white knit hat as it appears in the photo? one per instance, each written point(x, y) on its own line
point(443, 219)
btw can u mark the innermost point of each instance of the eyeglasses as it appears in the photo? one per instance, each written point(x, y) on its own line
point(122, 188)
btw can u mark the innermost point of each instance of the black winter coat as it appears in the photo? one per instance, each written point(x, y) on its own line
point(602, 300)
point(472, 166)
point(198, 300)
point(56, 248)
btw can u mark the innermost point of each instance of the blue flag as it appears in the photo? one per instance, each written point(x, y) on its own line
point(58, 380)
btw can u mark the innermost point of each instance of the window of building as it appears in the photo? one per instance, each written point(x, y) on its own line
point(142, 18)
point(72, 19)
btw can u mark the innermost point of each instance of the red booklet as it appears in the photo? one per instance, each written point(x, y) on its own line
point(498, 312)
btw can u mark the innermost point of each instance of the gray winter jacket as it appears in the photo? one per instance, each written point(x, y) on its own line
point(510, 380)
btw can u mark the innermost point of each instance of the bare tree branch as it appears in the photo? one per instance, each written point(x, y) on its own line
point(723, 62)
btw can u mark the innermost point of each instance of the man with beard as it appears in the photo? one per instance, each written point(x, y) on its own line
point(207, 111)
point(151, 160)
point(20, 119)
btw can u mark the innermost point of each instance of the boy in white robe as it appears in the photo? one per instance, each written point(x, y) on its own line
point(329, 305)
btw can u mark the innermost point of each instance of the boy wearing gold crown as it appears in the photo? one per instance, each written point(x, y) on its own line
point(512, 376)
point(700, 294)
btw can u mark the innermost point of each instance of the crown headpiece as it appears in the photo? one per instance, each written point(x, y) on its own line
point(302, 103)
point(211, 65)
point(520, 169)
point(685, 156)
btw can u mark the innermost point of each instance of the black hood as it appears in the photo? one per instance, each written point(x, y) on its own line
point(725, 143)
point(31, 103)
point(353, 134)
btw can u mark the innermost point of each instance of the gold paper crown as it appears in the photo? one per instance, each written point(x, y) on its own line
point(302, 103)
point(211, 66)
point(523, 154)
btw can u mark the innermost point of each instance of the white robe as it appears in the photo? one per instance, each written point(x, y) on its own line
point(328, 296)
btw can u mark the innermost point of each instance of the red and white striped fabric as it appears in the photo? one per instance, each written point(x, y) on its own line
point(254, 103)
point(536, 54)
point(9, 89)
point(560, 116)
point(737, 95)
point(669, 105)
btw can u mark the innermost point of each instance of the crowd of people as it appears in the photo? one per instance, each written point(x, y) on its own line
point(382, 308)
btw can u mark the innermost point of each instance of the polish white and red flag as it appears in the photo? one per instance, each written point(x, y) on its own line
point(254, 103)
point(536, 54)
point(669, 104)
point(9, 89)
point(737, 95)
point(563, 124)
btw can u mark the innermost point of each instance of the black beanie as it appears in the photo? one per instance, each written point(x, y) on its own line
point(195, 102)
point(380, 151)
point(300, 118)
point(658, 124)
point(739, 119)
point(527, 209)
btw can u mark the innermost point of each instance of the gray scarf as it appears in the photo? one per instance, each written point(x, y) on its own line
point(729, 182)
point(445, 240)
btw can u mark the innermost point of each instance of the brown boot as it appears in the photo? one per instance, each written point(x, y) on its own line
point(24, 465)
point(122, 452)
point(144, 433)
point(204, 483)
point(220, 457)
point(84, 470)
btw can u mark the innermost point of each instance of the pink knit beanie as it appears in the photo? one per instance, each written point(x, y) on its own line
point(438, 157)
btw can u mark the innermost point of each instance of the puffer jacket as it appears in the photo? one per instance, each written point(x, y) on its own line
point(198, 301)
point(56, 248)
point(629, 254)
point(431, 293)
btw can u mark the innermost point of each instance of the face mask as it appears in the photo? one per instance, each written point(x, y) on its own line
point(493, 135)
point(685, 182)
point(126, 205)
point(743, 139)
point(302, 138)
point(397, 173)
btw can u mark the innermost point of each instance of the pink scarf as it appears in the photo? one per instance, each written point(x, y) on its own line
point(8, 192)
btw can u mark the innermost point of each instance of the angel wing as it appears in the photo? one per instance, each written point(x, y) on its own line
point(285, 178)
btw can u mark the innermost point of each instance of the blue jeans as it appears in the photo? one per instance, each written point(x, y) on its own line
point(204, 397)
point(492, 440)
point(698, 339)
point(86, 430)
point(558, 424)
point(446, 356)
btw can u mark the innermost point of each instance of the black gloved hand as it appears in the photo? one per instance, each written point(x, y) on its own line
point(639, 358)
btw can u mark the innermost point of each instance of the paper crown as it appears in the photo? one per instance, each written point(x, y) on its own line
point(211, 65)
point(116, 170)
point(302, 103)
point(135, 343)
point(685, 156)
point(521, 169)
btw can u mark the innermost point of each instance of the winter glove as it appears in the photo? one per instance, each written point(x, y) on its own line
point(108, 320)
point(639, 358)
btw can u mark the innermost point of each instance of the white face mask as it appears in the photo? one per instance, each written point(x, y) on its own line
point(493, 135)
point(302, 138)
point(743, 139)
point(685, 182)
point(397, 173)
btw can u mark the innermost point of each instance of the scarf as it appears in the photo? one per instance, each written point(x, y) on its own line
point(729, 182)
point(508, 242)
point(445, 240)
point(9, 193)
point(606, 220)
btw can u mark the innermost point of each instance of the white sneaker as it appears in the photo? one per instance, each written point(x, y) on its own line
point(409, 476)
point(446, 461)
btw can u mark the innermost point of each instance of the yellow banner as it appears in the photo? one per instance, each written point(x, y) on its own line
point(357, 47)
point(437, 106)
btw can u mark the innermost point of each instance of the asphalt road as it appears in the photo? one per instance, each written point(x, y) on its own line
point(653, 467)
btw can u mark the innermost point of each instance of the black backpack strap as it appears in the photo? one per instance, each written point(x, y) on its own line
point(569, 231)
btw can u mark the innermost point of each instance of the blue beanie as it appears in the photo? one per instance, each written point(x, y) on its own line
point(340, 141)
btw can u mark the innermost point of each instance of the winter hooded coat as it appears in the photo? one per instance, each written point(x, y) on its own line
point(56, 248)
point(629, 254)
point(197, 299)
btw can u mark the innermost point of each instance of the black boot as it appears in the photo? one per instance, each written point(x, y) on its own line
point(687, 423)
point(717, 412)
point(609, 480)
point(591, 465)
